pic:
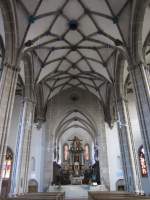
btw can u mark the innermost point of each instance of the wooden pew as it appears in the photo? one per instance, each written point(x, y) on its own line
point(40, 196)
point(95, 195)
point(2, 198)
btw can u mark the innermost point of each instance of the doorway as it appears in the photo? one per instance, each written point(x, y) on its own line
point(32, 186)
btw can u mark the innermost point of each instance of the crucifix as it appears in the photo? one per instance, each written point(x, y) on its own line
point(76, 143)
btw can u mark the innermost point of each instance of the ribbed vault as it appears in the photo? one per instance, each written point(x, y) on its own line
point(74, 42)
point(75, 119)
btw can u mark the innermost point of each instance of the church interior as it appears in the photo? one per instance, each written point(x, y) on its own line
point(74, 99)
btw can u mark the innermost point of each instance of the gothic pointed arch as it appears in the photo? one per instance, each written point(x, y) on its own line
point(135, 39)
point(79, 119)
point(10, 32)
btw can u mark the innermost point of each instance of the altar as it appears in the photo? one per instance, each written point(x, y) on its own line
point(77, 180)
point(74, 163)
point(76, 167)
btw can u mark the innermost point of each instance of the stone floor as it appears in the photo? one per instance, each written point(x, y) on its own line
point(74, 192)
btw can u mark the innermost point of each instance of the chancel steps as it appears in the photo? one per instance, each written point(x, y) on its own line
point(92, 195)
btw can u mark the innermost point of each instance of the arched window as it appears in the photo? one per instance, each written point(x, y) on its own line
point(33, 163)
point(2, 53)
point(86, 152)
point(66, 152)
point(142, 161)
point(7, 167)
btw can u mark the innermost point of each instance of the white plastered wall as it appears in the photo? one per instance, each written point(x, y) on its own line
point(36, 152)
point(13, 132)
point(114, 156)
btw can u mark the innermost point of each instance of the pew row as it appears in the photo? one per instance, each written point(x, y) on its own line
point(95, 195)
point(40, 196)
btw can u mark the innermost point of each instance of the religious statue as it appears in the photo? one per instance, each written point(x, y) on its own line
point(76, 168)
point(76, 144)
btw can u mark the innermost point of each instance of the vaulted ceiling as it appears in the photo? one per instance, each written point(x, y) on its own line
point(74, 42)
point(75, 119)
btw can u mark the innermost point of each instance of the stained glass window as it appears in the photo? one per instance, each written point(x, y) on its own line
point(7, 166)
point(2, 51)
point(142, 160)
point(86, 152)
point(66, 152)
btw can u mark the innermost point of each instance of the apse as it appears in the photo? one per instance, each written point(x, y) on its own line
point(84, 137)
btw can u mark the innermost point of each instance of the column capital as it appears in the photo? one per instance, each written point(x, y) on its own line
point(134, 66)
point(40, 115)
point(28, 99)
point(12, 67)
point(121, 99)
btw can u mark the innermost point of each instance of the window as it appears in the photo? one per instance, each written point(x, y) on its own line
point(7, 167)
point(33, 163)
point(66, 152)
point(2, 52)
point(86, 152)
point(142, 160)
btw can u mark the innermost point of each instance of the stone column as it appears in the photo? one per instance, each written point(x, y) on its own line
point(17, 156)
point(51, 156)
point(146, 73)
point(22, 183)
point(142, 92)
point(103, 159)
point(124, 146)
point(7, 94)
point(134, 155)
point(48, 165)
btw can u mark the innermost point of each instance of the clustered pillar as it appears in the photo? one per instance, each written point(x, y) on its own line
point(142, 91)
point(29, 107)
point(7, 94)
point(124, 147)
